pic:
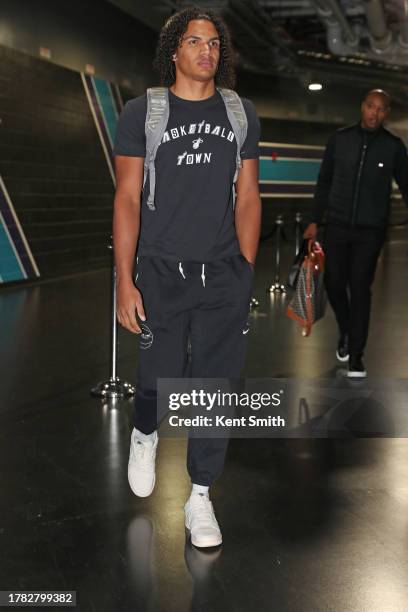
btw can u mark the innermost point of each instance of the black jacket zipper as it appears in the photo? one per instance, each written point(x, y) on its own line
point(357, 188)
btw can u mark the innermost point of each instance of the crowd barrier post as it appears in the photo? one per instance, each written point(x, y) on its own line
point(277, 286)
point(113, 387)
point(298, 232)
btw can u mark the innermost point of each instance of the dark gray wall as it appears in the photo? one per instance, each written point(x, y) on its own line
point(52, 164)
point(80, 32)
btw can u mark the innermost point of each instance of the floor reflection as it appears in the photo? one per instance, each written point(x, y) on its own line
point(202, 566)
point(140, 554)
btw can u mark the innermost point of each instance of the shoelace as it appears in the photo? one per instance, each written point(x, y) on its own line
point(204, 515)
point(143, 455)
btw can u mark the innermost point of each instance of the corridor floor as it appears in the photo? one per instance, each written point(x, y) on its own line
point(309, 525)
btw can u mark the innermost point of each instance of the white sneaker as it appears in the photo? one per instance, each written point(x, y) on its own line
point(141, 467)
point(201, 522)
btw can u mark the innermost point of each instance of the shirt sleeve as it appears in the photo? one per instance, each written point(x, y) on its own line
point(324, 181)
point(250, 148)
point(130, 137)
point(401, 170)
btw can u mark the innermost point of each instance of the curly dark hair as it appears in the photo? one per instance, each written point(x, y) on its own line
point(169, 40)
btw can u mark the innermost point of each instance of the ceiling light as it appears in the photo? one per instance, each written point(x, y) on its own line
point(315, 87)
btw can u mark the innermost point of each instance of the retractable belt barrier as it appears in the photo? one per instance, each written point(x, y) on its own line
point(278, 231)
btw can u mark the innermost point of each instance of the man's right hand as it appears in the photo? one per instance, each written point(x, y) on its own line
point(310, 232)
point(128, 302)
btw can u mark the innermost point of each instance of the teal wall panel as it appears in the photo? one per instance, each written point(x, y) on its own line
point(288, 170)
point(10, 267)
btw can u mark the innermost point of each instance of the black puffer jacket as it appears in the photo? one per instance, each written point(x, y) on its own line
point(355, 179)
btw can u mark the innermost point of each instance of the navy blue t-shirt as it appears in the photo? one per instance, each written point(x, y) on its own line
point(195, 166)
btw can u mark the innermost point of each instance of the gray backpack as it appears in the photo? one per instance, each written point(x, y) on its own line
point(157, 116)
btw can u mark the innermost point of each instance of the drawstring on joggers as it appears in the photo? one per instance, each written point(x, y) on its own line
point(202, 272)
point(137, 271)
point(181, 270)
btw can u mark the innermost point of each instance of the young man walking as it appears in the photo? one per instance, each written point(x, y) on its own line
point(195, 242)
point(353, 191)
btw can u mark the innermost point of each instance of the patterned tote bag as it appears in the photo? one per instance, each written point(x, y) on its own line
point(308, 303)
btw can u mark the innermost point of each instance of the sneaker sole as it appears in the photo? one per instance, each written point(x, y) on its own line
point(207, 543)
point(144, 494)
point(342, 359)
point(356, 374)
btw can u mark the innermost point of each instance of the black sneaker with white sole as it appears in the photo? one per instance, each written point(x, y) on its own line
point(356, 368)
point(342, 352)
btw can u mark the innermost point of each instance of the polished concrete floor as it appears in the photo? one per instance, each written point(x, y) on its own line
point(309, 525)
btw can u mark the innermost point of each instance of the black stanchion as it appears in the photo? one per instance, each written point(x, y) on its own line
point(277, 286)
point(114, 387)
point(298, 232)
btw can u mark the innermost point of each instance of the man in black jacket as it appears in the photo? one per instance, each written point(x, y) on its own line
point(353, 192)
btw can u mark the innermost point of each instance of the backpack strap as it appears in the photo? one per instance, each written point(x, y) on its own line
point(239, 123)
point(157, 116)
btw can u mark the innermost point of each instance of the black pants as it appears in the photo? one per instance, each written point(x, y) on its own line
point(351, 259)
point(209, 305)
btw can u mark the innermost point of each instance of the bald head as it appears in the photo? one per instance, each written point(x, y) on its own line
point(375, 109)
point(379, 92)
